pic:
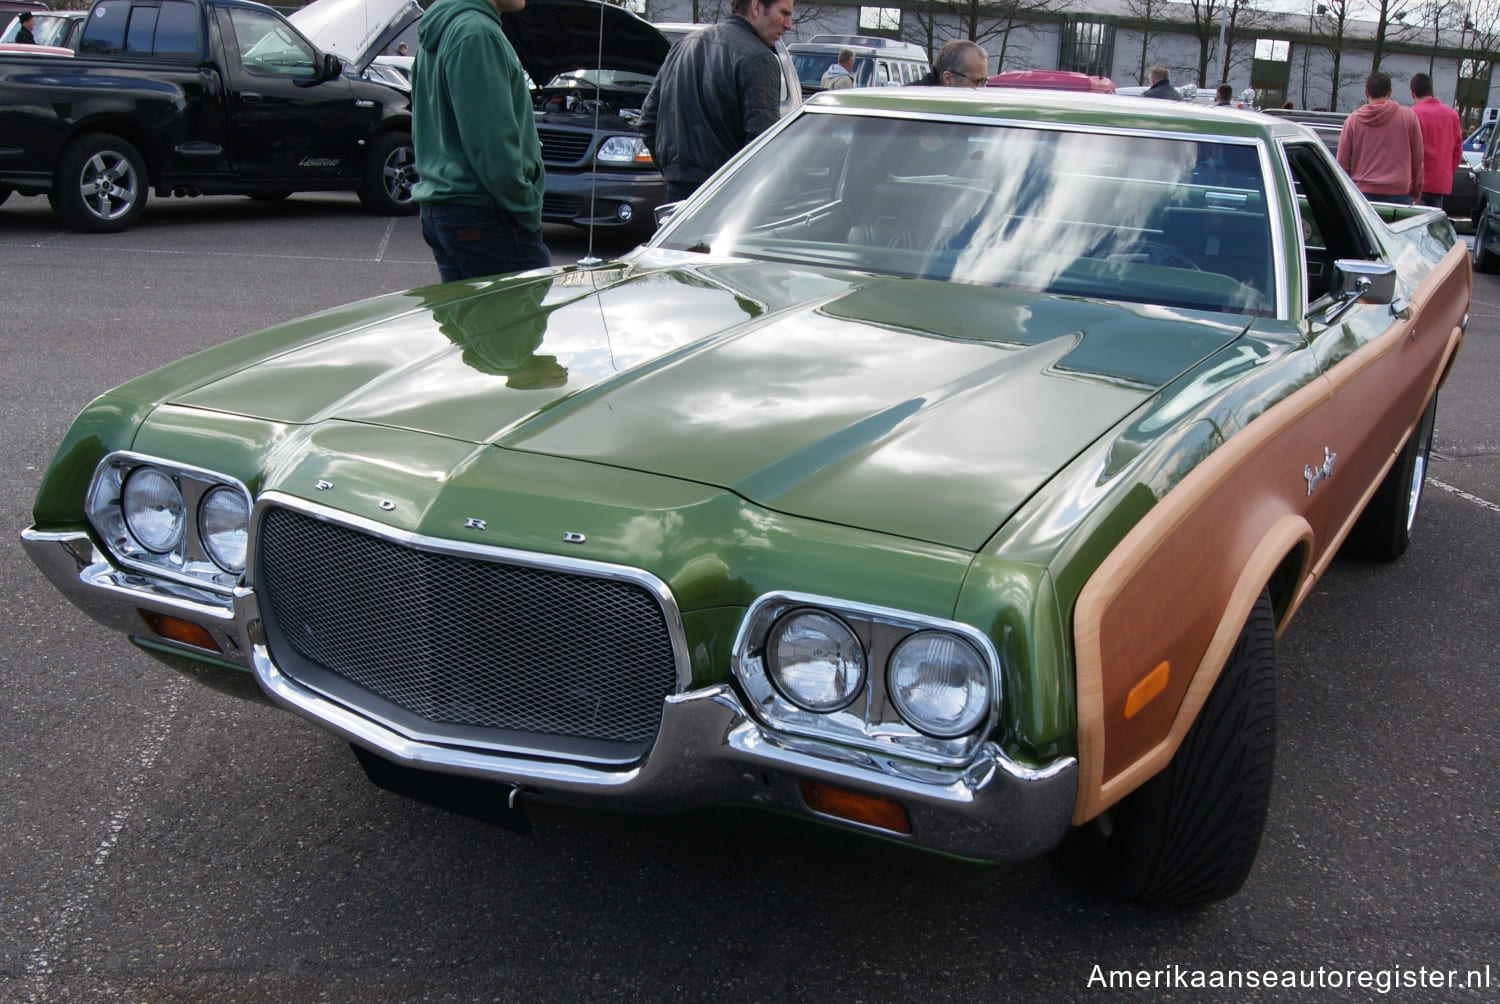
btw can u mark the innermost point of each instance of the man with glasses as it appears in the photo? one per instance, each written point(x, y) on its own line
point(960, 63)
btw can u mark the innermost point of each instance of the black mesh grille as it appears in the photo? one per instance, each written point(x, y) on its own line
point(463, 642)
point(563, 146)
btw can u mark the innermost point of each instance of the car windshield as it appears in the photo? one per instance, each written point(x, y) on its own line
point(1179, 222)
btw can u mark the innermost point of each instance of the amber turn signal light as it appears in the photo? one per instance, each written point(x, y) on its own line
point(181, 631)
point(867, 809)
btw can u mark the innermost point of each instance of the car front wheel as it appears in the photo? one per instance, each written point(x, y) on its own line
point(390, 174)
point(100, 186)
point(1190, 834)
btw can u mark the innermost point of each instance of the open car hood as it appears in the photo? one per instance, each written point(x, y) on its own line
point(355, 30)
point(556, 36)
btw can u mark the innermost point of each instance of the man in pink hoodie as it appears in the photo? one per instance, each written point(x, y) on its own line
point(1442, 141)
point(1380, 146)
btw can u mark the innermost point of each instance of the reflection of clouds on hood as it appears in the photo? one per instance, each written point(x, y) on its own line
point(499, 333)
point(1050, 228)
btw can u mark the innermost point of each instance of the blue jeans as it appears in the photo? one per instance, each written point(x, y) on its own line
point(473, 241)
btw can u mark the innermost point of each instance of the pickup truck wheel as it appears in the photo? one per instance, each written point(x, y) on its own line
point(389, 174)
point(1190, 834)
point(1485, 260)
point(100, 185)
point(1383, 531)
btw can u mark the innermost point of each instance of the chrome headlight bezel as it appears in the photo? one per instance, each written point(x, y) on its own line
point(871, 719)
point(188, 559)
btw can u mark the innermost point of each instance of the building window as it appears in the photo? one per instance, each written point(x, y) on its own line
point(1474, 83)
point(1270, 71)
point(1087, 47)
point(880, 19)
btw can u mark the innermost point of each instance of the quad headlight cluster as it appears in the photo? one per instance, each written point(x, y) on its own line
point(868, 676)
point(169, 519)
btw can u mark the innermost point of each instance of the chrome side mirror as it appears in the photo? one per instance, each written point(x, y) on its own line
point(664, 213)
point(1356, 280)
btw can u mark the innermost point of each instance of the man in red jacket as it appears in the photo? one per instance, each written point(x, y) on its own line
point(1380, 146)
point(1442, 141)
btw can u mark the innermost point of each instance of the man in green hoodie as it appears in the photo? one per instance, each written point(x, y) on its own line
point(478, 156)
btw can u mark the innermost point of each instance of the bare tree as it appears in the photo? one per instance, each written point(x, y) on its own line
point(990, 21)
point(1147, 11)
point(1440, 17)
point(1479, 48)
point(1331, 26)
point(1237, 17)
point(1390, 18)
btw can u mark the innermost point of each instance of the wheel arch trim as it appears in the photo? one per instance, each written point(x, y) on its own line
point(1286, 543)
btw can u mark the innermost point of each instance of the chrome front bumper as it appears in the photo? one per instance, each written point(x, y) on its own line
point(709, 750)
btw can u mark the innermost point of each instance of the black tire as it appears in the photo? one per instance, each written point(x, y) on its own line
point(1383, 530)
point(1485, 260)
point(1190, 834)
point(390, 173)
point(270, 196)
point(4, 194)
point(101, 185)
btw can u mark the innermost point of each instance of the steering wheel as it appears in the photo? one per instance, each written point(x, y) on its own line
point(1158, 253)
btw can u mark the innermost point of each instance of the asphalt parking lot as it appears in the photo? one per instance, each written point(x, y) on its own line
point(162, 842)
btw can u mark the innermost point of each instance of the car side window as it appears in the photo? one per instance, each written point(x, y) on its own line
point(1330, 225)
point(167, 29)
point(269, 46)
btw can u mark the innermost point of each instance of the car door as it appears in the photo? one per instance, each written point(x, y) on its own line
point(286, 123)
point(1379, 358)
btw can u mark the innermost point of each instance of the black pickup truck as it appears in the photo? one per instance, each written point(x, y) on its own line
point(196, 97)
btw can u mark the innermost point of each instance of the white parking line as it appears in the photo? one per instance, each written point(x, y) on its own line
point(1466, 496)
point(56, 937)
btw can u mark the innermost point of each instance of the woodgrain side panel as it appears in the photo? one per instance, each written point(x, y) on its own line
point(1182, 582)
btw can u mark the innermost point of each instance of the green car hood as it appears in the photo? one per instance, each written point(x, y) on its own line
point(923, 409)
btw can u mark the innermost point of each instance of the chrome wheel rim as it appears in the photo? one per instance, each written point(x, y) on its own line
point(109, 185)
point(399, 174)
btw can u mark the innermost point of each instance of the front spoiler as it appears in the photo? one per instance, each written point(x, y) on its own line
point(709, 750)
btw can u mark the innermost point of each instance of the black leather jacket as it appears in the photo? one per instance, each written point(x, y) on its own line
point(718, 89)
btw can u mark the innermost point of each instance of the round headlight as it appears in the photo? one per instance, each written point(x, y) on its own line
point(939, 684)
point(224, 525)
point(815, 660)
point(153, 509)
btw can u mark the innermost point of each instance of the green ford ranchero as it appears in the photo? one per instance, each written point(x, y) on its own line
point(943, 469)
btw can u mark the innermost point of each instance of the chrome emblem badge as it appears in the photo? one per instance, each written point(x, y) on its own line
point(473, 523)
point(1314, 475)
point(573, 538)
point(322, 485)
point(387, 505)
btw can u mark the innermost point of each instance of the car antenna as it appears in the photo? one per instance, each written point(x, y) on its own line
point(590, 260)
